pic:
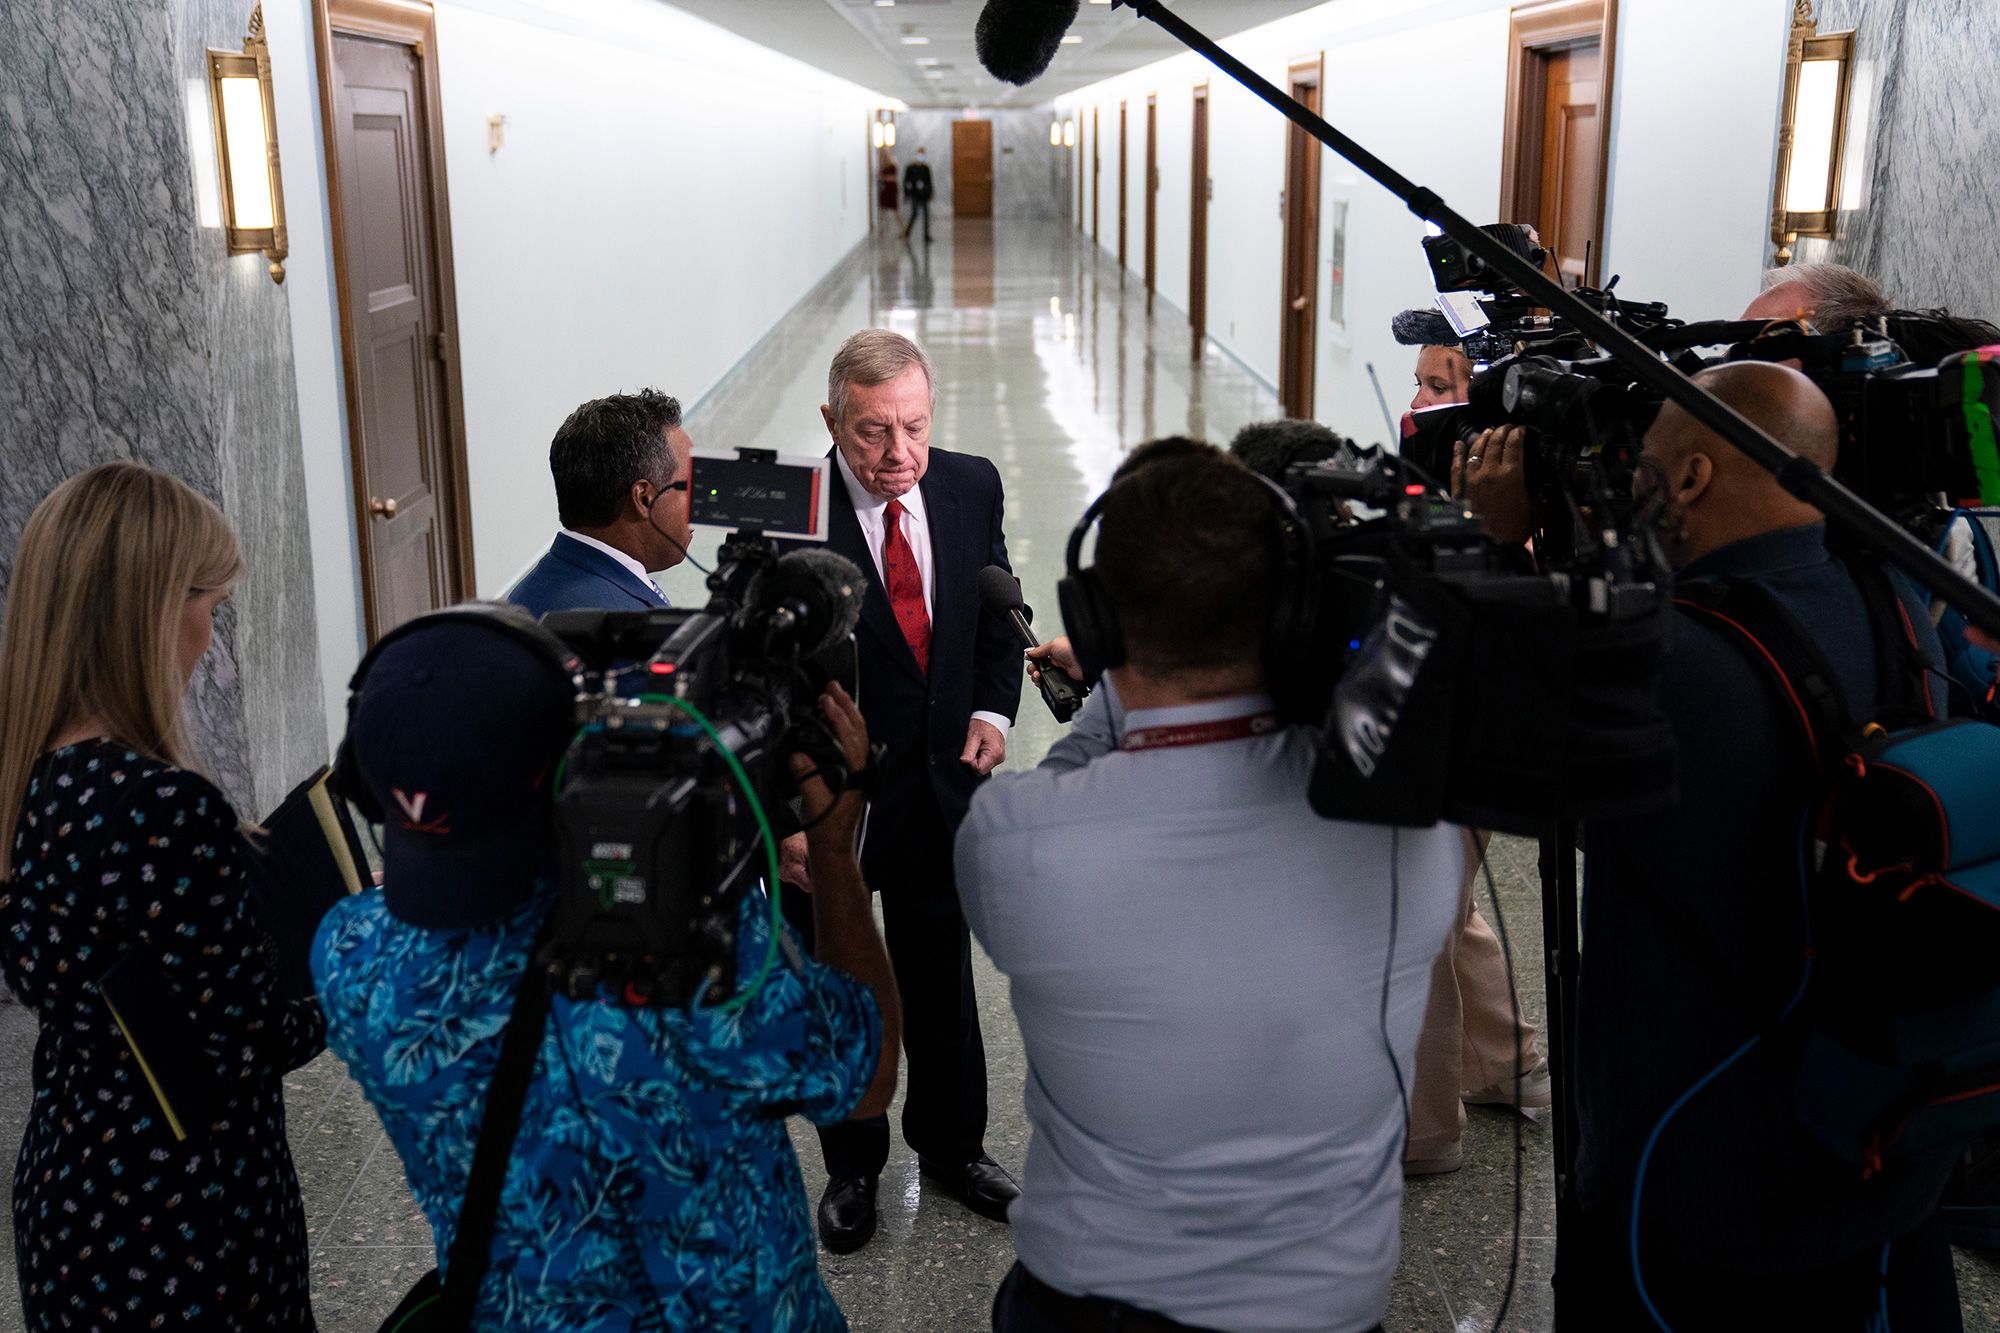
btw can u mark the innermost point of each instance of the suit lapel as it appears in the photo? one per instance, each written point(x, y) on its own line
point(844, 537)
point(947, 559)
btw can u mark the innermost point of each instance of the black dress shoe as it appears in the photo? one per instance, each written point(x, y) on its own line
point(979, 1183)
point(847, 1213)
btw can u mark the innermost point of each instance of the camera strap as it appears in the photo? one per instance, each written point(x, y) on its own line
point(448, 1309)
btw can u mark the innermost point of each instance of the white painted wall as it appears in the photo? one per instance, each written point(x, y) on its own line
point(1422, 83)
point(665, 194)
point(1688, 219)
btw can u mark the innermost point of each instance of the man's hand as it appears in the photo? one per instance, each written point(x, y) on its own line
point(792, 867)
point(985, 747)
point(1491, 476)
point(1056, 652)
point(832, 824)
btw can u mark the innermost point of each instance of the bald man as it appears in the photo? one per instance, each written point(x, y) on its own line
point(1693, 941)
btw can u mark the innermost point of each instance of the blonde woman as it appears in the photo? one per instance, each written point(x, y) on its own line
point(120, 853)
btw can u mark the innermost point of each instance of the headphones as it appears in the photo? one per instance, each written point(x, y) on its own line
point(1092, 622)
point(501, 618)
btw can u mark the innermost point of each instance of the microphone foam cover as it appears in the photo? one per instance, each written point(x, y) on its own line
point(831, 585)
point(1018, 39)
point(999, 591)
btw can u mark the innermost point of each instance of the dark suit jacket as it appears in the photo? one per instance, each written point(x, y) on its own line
point(975, 663)
point(576, 577)
point(917, 181)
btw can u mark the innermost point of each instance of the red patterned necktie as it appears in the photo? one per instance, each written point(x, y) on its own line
point(906, 586)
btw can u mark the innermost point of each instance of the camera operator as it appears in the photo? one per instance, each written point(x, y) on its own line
point(652, 1183)
point(1694, 936)
point(1444, 372)
point(1219, 992)
point(1475, 1049)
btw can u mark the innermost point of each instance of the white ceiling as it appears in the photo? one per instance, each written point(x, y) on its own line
point(864, 41)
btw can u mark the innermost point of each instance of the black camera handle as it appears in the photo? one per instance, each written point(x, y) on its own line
point(1845, 511)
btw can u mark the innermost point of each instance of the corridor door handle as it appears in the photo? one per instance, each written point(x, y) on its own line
point(385, 508)
point(1298, 303)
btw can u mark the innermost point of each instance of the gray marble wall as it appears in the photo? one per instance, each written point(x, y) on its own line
point(126, 331)
point(1927, 150)
point(1031, 179)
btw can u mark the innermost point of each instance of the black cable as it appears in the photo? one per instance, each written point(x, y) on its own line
point(686, 554)
point(1388, 969)
point(1514, 1004)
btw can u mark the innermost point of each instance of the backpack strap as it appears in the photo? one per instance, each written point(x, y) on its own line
point(1902, 668)
point(1774, 640)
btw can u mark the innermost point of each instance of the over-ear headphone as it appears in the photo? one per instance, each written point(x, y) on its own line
point(499, 617)
point(1091, 621)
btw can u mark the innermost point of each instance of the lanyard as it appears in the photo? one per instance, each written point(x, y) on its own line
point(1200, 733)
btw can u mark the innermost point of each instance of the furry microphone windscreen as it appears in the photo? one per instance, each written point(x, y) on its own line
point(1018, 39)
point(1423, 328)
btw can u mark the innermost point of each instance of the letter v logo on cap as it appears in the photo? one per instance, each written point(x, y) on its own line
point(413, 813)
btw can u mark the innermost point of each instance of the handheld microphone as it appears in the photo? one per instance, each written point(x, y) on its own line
point(1000, 594)
point(1017, 39)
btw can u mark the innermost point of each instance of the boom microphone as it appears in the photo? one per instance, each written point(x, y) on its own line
point(814, 598)
point(1000, 594)
point(1017, 39)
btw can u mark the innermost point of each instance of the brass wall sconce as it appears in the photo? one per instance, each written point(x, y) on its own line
point(1812, 134)
point(246, 141)
point(884, 133)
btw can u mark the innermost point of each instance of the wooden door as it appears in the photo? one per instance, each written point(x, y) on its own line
point(1123, 157)
point(1554, 149)
point(392, 269)
point(1096, 171)
point(1198, 192)
point(1077, 166)
point(1566, 214)
point(972, 168)
point(1300, 312)
point(1152, 194)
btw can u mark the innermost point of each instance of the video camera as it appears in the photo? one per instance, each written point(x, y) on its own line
point(666, 798)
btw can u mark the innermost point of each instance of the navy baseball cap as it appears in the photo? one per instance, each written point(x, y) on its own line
point(457, 732)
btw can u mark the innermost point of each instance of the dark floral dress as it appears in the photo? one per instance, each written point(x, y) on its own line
point(117, 1225)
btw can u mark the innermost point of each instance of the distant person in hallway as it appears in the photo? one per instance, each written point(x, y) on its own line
point(917, 185)
point(652, 1183)
point(887, 201)
point(940, 681)
point(620, 466)
point(121, 855)
point(1199, 961)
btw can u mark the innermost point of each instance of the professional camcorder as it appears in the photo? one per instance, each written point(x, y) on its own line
point(666, 799)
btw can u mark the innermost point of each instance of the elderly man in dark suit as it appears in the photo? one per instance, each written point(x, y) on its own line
point(620, 466)
point(940, 681)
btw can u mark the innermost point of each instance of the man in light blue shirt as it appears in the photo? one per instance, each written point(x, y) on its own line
point(1219, 992)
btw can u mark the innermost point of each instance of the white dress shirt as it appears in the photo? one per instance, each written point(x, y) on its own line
point(872, 511)
point(638, 570)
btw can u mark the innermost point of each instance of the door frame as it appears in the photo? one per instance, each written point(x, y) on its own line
point(1096, 171)
point(411, 23)
point(1152, 198)
point(1534, 31)
point(1301, 360)
point(1198, 219)
point(1124, 163)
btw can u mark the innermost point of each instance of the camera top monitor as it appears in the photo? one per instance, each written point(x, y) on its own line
point(778, 495)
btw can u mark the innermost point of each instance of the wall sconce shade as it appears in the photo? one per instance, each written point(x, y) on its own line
point(1055, 134)
point(246, 138)
point(889, 133)
point(1069, 133)
point(1812, 133)
point(879, 135)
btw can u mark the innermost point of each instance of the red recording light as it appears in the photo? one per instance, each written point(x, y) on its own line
point(1413, 489)
point(662, 668)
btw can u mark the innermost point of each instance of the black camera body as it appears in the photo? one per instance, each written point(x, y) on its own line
point(679, 770)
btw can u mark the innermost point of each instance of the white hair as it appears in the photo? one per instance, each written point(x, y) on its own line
point(1841, 297)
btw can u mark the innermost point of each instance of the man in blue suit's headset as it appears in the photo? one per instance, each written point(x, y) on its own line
point(621, 472)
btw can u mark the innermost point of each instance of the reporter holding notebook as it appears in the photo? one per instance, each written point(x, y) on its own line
point(136, 1205)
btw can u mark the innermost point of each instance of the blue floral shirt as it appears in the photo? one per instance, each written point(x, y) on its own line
point(653, 1185)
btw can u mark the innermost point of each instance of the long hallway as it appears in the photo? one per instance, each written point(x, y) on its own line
point(1053, 368)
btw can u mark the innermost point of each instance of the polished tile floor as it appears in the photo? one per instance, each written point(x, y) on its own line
point(1053, 368)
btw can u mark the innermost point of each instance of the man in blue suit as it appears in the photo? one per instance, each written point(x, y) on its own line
point(621, 467)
